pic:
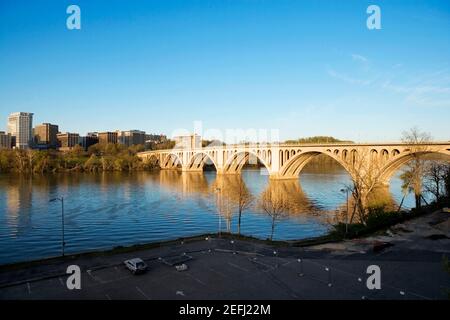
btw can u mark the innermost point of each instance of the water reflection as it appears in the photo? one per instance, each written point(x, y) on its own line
point(18, 198)
point(185, 183)
point(292, 193)
point(109, 209)
point(382, 198)
point(225, 189)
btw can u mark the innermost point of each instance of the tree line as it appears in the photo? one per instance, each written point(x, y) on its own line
point(317, 139)
point(98, 158)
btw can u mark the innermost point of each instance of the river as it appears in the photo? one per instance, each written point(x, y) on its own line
point(105, 210)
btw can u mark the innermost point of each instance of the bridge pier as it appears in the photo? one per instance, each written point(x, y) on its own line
point(277, 176)
point(187, 169)
point(222, 171)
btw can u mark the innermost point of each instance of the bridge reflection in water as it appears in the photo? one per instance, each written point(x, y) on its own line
point(110, 209)
point(221, 192)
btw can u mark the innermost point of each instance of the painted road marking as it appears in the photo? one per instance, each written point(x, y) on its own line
point(198, 280)
point(237, 267)
point(29, 288)
point(95, 278)
point(142, 292)
point(218, 272)
point(180, 293)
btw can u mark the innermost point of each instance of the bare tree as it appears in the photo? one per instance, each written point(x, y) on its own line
point(21, 161)
point(244, 201)
point(224, 207)
point(275, 205)
point(366, 177)
point(414, 172)
point(434, 178)
point(405, 193)
point(447, 181)
point(233, 195)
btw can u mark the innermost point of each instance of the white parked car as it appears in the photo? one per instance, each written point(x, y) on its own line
point(136, 265)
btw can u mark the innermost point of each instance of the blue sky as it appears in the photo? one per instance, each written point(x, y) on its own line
point(303, 67)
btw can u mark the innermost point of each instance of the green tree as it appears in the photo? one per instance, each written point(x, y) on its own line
point(6, 160)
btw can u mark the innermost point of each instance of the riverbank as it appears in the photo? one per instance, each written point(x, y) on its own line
point(226, 267)
point(105, 210)
point(168, 243)
point(97, 158)
point(326, 241)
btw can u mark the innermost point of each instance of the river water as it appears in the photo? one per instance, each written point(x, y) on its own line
point(105, 210)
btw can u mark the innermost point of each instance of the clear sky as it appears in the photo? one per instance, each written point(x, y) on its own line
point(303, 67)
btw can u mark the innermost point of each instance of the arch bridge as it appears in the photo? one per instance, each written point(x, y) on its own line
point(285, 161)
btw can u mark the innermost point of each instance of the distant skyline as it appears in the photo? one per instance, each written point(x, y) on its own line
point(305, 68)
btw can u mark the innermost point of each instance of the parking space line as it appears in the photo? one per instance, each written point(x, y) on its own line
point(142, 292)
point(287, 263)
point(107, 296)
point(268, 266)
point(237, 267)
point(104, 282)
point(218, 272)
point(198, 280)
point(95, 278)
point(29, 288)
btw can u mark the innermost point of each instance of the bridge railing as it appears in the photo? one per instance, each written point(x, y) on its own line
point(295, 145)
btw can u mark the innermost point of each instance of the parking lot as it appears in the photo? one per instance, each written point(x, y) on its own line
point(225, 269)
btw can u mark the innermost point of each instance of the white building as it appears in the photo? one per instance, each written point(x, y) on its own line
point(20, 126)
point(131, 137)
point(191, 141)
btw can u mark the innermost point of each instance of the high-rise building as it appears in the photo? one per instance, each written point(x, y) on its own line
point(190, 141)
point(107, 137)
point(131, 137)
point(45, 135)
point(88, 140)
point(5, 140)
point(20, 126)
point(67, 141)
point(156, 138)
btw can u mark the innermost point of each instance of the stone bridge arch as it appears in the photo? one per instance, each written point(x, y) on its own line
point(287, 161)
point(394, 164)
point(171, 160)
point(236, 161)
point(153, 158)
point(295, 164)
point(197, 161)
